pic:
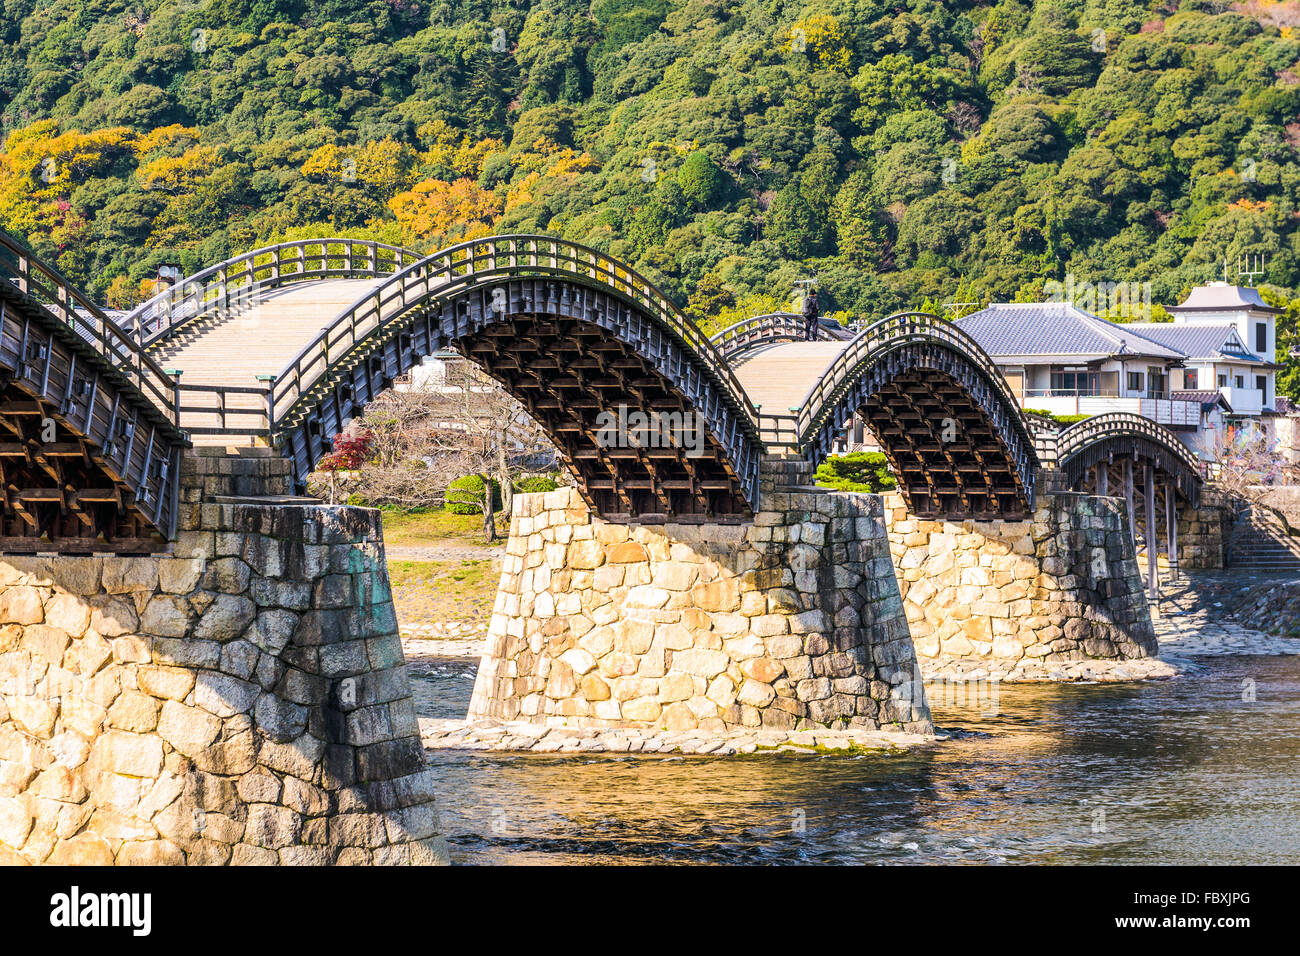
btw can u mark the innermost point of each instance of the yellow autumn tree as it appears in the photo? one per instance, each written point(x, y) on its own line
point(1251, 205)
point(546, 164)
point(449, 148)
point(176, 173)
point(825, 38)
point(445, 212)
point(171, 140)
point(122, 293)
point(383, 166)
point(39, 167)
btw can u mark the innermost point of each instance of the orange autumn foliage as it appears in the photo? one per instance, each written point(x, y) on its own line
point(446, 212)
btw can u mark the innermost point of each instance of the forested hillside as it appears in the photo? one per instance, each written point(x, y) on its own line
point(897, 151)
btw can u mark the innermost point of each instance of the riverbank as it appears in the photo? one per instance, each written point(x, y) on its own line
point(451, 734)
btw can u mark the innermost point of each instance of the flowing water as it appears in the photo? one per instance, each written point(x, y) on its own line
point(1190, 770)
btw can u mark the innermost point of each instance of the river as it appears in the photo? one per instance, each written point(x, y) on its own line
point(1189, 770)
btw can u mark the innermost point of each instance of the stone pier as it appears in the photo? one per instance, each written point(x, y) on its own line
point(1063, 586)
point(793, 620)
point(1203, 533)
point(242, 701)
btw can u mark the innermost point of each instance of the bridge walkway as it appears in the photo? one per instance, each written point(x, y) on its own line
point(243, 346)
point(778, 377)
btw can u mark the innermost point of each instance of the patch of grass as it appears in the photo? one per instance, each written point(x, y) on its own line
point(445, 576)
point(414, 528)
point(461, 591)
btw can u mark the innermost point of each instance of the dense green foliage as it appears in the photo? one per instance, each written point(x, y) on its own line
point(536, 483)
point(465, 495)
point(1059, 419)
point(898, 150)
point(866, 471)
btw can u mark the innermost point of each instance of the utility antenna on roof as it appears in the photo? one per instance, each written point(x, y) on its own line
point(1248, 272)
point(956, 308)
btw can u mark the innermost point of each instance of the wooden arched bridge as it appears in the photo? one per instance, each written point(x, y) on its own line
point(285, 344)
point(1125, 455)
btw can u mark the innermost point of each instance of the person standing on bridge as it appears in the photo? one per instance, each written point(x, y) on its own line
point(810, 315)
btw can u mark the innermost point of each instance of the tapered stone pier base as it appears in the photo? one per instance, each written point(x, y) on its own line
point(793, 620)
point(244, 701)
point(1064, 586)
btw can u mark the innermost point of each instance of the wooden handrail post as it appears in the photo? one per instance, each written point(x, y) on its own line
point(175, 373)
point(270, 405)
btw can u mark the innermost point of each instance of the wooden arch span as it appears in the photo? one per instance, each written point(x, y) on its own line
point(1091, 453)
point(89, 441)
point(1124, 455)
point(575, 337)
point(953, 433)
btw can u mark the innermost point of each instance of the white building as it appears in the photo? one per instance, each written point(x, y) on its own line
point(430, 374)
point(1229, 337)
point(1213, 368)
point(1065, 361)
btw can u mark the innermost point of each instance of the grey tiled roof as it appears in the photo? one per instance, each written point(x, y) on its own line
point(1199, 341)
point(1207, 397)
point(1221, 296)
point(1055, 328)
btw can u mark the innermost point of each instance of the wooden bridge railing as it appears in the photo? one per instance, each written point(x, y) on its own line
point(769, 328)
point(46, 286)
point(239, 410)
point(236, 282)
point(896, 330)
point(228, 284)
point(779, 432)
point(1127, 425)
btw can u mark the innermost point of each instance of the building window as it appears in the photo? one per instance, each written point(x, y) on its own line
point(1135, 381)
point(1155, 381)
point(1075, 382)
point(1189, 379)
point(1223, 380)
point(1261, 337)
point(1241, 381)
point(1261, 383)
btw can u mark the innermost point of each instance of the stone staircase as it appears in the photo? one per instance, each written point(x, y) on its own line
point(1260, 542)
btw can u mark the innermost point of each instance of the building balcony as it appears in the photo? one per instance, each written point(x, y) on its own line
point(1244, 401)
point(1175, 413)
